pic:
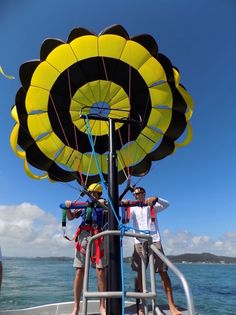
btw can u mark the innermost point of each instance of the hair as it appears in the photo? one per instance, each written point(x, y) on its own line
point(140, 188)
point(99, 194)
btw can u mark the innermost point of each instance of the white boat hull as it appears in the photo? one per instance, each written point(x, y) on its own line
point(66, 309)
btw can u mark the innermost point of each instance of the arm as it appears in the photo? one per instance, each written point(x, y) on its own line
point(151, 201)
point(160, 204)
point(71, 215)
point(102, 202)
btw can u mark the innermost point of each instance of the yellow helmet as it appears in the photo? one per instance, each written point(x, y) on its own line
point(95, 187)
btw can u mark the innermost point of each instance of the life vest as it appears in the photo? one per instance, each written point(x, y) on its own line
point(92, 216)
point(92, 222)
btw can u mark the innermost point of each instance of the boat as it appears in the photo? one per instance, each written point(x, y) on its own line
point(90, 302)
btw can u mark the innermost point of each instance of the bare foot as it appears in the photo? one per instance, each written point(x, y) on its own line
point(141, 310)
point(102, 310)
point(75, 311)
point(174, 310)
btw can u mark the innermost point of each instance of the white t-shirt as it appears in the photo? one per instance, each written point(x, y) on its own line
point(141, 217)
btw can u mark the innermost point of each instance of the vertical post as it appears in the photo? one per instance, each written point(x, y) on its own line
point(114, 269)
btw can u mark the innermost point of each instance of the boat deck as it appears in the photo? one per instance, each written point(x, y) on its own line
point(66, 309)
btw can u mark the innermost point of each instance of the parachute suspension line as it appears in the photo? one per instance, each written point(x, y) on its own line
point(106, 75)
point(29, 161)
point(146, 106)
point(136, 183)
point(88, 131)
point(120, 225)
point(69, 86)
point(123, 228)
point(63, 130)
point(91, 156)
point(123, 161)
point(90, 137)
point(142, 125)
point(74, 128)
point(69, 83)
point(47, 151)
point(129, 153)
point(119, 160)
point(107, 78)
point(105, 69)
point(142, 119)
point(80, 174)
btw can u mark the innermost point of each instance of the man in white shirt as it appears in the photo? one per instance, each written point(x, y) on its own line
point(144, 217)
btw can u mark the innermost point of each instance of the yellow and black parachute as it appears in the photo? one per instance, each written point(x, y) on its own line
point(110, 75)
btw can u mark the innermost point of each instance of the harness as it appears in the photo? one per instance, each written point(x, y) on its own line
point(92, 222)
point(81, 247)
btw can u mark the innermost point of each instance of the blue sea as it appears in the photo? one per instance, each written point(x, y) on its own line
point(31, 282)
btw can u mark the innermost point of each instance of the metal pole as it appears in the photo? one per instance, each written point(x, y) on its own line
point(114, 305)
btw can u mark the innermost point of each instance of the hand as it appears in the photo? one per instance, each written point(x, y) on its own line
point(68, 203)
point(77, 213)
point(102, 201)
point(151, 200)
point(125, 202)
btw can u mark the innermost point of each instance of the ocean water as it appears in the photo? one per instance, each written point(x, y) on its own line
point(32, 282)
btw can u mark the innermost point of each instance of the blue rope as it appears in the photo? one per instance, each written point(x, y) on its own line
point(122, 227)
point(122, 270)
point(88, 131)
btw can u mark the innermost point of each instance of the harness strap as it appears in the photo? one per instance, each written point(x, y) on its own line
point(87, 228)
point(127, 218)
point(152, 213)
point(99, 253)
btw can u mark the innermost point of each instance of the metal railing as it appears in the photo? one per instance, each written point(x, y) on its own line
point(142, 295)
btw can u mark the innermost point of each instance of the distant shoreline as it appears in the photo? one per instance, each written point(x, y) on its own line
point(187, 258)
point(203, 258)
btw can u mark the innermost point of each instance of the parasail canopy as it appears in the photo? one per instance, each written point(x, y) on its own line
point(109, 76)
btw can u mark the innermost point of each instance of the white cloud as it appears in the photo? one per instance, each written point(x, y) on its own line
point(185, 242)
point(27, 230)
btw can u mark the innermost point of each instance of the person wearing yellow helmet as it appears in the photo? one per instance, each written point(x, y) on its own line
point(92, 223)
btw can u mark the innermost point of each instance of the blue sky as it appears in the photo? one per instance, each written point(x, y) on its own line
point(198, 180)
